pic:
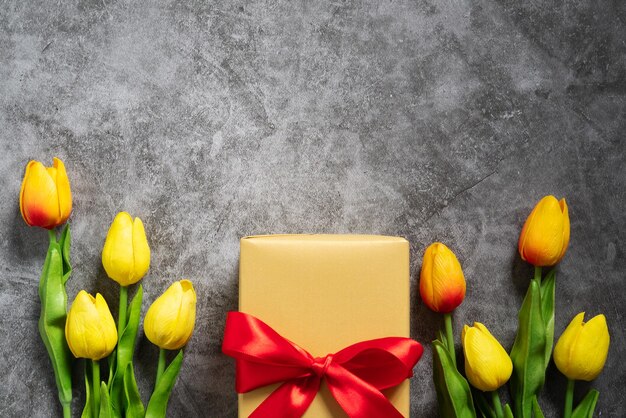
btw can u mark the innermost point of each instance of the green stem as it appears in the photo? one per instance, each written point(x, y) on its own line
point(121, 318)
point(538, 274)
point(447, 318)
point(161, 365)
point(66, 404)
point(497, 405)
point(95, 387)
point(569, 398)
point(67, 410)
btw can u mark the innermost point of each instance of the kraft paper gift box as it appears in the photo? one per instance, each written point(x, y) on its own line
point(326, 292)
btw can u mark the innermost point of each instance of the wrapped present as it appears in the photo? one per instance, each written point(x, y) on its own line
point(310, 306)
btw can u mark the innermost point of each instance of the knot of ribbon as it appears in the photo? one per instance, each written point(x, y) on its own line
point(355, 375)
point(320, 365)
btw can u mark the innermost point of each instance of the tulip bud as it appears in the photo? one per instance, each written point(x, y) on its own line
point(545, 235)
point(442, 284)
point(45, 196)
point(581, 351)
point(487, 364)
point(90, 329)
point(126, 254)
point(170, 319)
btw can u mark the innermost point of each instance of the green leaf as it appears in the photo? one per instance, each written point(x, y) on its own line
point(482, 404)
point(528, 353)
point(111, 361)
point(52, 319)
point(157, 406)
point(87, 409)
point(125, 350)
point(547, 312)
point(132, 401)
point(64, 244)
point(105, 402)
point(586, 407)
point(441, 337)
point(453, 392)
point(537, 412)
point(508, 413)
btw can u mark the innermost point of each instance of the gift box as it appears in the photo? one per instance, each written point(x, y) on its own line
point(326, 292)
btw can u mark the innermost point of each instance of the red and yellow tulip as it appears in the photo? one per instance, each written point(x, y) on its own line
point(45, 196)
point(545, 235)
point(442, 284)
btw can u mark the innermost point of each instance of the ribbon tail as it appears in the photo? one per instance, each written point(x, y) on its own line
point(289, 400)
point(358, 398)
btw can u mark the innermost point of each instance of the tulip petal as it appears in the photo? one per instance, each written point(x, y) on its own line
point(426, 274)
point(64, 192)
point(108, 329)
point(566, 227)
point(562, 350)
point(589, 353)
point(161, 319)
point(141, 250)
point(187, 313)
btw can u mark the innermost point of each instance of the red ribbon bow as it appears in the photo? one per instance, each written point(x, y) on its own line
point(355, 375)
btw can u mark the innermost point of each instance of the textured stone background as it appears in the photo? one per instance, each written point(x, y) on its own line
point(214, 120)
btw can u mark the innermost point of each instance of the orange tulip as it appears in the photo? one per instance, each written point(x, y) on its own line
point(45, 197)
point(545, 235)
point(442, 284)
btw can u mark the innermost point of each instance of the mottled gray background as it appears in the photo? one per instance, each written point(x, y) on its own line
point(215, 120)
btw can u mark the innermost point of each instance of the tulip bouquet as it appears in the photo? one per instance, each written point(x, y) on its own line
point(88, 330)
point(579, 354)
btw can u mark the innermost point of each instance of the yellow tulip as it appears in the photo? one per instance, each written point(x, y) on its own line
point(45, 196)
point(487, 364)
point(126, 254)
point(581, 351)
point(545, 235)
point(90, 329)
point(442, 284)
point(170, 319)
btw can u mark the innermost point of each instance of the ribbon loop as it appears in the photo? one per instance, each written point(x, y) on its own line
point(354, 375)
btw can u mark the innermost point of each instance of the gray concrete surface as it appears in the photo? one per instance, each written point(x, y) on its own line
point(214, 120)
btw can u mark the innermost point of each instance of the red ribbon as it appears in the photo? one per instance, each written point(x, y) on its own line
point(354, 375)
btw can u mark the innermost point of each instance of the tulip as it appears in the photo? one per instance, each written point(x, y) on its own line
point(487, 364)
point(126, 259)
point(169, 324)
point(581, 351)
point(170, 319)
point(45, 196)
point(442, 284)
point(545, 235)
point(90, 329)
point(91, 334)
point(126, 254)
